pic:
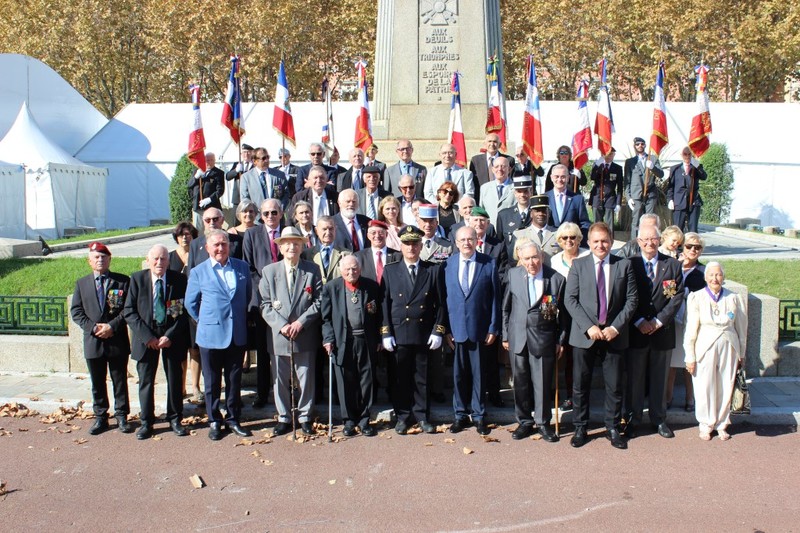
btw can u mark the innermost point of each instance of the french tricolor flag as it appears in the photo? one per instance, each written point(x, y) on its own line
point(604, 121)
point(532, 120)
point(363, 137)
point(197, 141)
point(232, 109)
point(456, 130)
point(659, 138)
point(701, 122)
point(282, 114)
point(582, 140)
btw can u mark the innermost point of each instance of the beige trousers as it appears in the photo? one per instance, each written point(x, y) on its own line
point(713, 386)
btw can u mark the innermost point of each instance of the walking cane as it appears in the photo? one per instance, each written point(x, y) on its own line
point(291, 384)
point(330, 397)
point(557, 421)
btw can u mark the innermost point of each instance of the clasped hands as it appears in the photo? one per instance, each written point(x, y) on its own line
point(607, 334)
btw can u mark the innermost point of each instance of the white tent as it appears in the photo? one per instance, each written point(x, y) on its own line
point(60, 191)
point(12, 210)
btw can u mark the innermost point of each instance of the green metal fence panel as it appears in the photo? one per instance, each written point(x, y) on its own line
point(789, 320)
point(33, 315)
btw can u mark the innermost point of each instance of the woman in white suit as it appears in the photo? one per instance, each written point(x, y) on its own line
point(715, 342)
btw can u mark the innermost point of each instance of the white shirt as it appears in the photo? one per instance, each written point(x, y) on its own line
point(225, 274)
point(407, 212)
point(315, 200)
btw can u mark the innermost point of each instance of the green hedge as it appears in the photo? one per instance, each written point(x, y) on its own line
point(180, 203)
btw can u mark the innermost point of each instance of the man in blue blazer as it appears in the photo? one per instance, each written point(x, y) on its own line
point(217, 295)
point(473, 300)
point(566, 206)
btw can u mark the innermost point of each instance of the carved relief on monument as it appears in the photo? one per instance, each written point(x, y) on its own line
point(438, 49)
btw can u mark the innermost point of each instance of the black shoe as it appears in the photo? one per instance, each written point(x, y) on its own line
point(616, 439)
point(239, 430)
point(630, 431)
point(482, 428)
point(215, 431)
point(548, 434)
point(307, 428)
point(664, 431)
point(177, 428)
point(282, 428)
point(145, 432)
point(349, 429)
point(458, 426)
point(579, 438)
point(401, 428)
point(523, 431)
point(123, 425)
point(368, 431)
point(566, 405)
point(259, 403)
point(100, 425)
point(427, 427)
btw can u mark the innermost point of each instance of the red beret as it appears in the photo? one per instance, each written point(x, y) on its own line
point(378, 224)
point(99, 247)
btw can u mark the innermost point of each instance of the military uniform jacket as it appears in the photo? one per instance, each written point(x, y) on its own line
point(412, 312)
point(635, 171)
point(607, 186)
point(437, 252)
point(86, 313)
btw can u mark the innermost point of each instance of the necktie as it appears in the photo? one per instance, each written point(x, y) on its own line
point(465, 278)
point(448, 174)
point(412, 269)
point(273, 245)
point(357, 180)
point(408, 169)
point(531, 292)
point(354, 235)
point(524, 218)
point(602, 303)
point(560, 207)
point(159, 307)
point(263, 180)
point(650, 272)
point(321, 209)
point(428, 243)
point(541, 236)
point(100, 289)
point(292, 278)
point(378, 265)
point(326, 258)
point(499, 192)
point(371, 207)
point(605, 173)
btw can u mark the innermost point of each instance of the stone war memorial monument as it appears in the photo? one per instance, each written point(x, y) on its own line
point(420, 43)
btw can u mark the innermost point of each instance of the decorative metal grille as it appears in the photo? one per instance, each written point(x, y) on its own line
point(789, 320)
point(33, 315)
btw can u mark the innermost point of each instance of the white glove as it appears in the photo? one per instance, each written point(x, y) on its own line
point(204, 202)
point(199, 174)
point(630, 203)
point(649, 164)
point(694, 162)
point(599, 161)
point(239, 167)
point(389, 344)
point(575, 172)
point(671, 205)
point(616, 210)
point(435, 342)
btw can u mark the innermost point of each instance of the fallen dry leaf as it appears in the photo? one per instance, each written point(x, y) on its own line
point(467, 451)
point(22, 429)
point(428, 444)
point(449, 441)
point(2, 487)
point(244, 442)
point(4, 433)
point(536, 436)
point(267, 462)
point(193, 432)
point(442, 428)
point(487, 438)
point(16, 410)
point(197, 481)
point(157, 437)
point(331, 482)
point(256, 453)
point(416, 430)
point(80, 441)
point(34, 398)
point(54, 449)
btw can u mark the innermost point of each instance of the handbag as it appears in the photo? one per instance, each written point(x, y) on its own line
point(740, 402)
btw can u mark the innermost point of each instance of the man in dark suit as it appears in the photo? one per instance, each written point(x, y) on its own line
point(407, 195)
point(353, 178)
point(260, 249)
point(566, 206)
point(473, 303)
point(206, 189)
point(217, 295)
point(601, 298)
point(321, 195)
point(351, 321)
point(481, 164)
point(234, 174)
point(683, 191)
point(288, 168)
point(155, 313)
point(524, 168)
point(405, 167)
point(659, 284)
point(639, 181)
point(351, 228)
point(413, 324)
point(213, 218)
point(316, 154)
point(516, 217)
point(371, 194)
point(96, 308)
point(533, 329)
point(606, 195)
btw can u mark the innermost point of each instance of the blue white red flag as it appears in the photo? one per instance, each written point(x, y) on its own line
point(701, 122)
point(328, 140)
point(532, 120)
point(282, 113)
point(604, 120)
point(582, 140)
point(496, 113)
point(455, 134)
point(363, 137)
point(659, 138)
point(232, 117)
point(197, 141)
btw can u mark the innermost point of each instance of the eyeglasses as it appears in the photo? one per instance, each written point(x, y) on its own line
point(212, 219)
point(563, 152)
point(568, 238)
point(447, 191)
point(265, 158)
point(651, 239)
point(315, 153)
point(405, 149)
point(406, 187)
point(638, 144)
point(467, 239)
point(693, 246)
point(269, 213)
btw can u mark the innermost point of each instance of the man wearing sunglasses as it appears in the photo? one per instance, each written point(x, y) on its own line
point(641, 189)
point(316, 154)
point(262, 182)
point(213, 218)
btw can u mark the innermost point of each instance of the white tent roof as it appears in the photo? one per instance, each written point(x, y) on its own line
point(62, 113)
point(25, 144)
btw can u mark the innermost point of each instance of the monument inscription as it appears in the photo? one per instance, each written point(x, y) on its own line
point(438, 49)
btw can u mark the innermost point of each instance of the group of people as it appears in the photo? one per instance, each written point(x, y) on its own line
point(400, 267)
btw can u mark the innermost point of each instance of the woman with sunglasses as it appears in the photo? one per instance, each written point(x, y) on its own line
point(246, 214)
point(569, 238)
point(446, 197)
point(693, 281)
point(576, 178)
point(389, 211)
